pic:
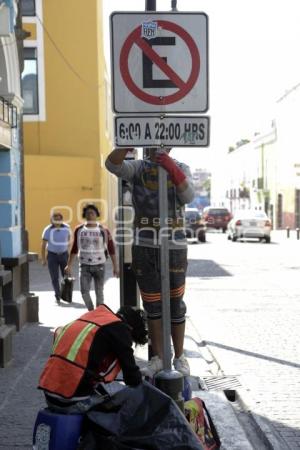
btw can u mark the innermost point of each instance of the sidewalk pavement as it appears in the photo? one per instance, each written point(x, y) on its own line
point(281, 236)
point(20, 400)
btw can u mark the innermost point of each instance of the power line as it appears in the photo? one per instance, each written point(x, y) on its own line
point(288, 92)
point(66, 61)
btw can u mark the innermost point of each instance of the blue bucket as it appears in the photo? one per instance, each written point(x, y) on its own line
point(187, 389)
point(53, 431)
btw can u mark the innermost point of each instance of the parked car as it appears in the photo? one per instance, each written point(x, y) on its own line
point(217, 218)
point(194, 225)
point(250, 224)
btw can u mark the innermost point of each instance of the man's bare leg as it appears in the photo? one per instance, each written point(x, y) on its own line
point(155, 334)
point(177, 332)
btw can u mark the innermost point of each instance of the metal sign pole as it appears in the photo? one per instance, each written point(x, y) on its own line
point(170, 382)
point(150, 5)
point(164, 266)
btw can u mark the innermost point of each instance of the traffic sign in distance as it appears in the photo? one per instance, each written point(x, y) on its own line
point(150, 131)
point(159, 62)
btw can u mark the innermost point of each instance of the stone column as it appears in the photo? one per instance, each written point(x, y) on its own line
point(6, 332)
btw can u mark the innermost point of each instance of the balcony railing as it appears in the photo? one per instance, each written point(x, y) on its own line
point(8, 113)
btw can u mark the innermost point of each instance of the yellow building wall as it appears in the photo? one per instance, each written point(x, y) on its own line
point(46, 187)
point(65, 154)
point(72, 82)
point(109, 186)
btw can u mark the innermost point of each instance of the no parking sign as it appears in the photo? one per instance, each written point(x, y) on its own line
point(159, 62)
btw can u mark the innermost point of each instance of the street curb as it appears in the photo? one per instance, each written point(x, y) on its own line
point(232, 434)
point(266, 432)
point(203, 349)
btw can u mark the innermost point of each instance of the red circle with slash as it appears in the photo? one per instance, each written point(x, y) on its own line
point(184, 87)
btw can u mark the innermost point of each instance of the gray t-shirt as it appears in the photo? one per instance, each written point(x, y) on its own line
point(143, 175)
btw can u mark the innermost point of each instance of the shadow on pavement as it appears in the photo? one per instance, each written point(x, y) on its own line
point(252, 354)
point(73, 304)
point(252, 241)
point(205, 268)
point(20, 400)
point(40, 278)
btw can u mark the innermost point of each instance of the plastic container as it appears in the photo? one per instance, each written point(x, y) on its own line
point(53, 431)
point(187, 389)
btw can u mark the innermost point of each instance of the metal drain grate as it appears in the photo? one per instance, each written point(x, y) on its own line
point(219, 383)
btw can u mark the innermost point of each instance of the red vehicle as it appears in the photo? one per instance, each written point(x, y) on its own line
point(217, 218)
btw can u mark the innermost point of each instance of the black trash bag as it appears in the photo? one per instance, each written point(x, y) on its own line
point(141, 418)
point(66, 289)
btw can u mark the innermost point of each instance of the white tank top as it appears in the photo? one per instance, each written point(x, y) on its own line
point(91, 245)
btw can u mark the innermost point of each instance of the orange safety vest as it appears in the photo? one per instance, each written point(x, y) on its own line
point(70, 354)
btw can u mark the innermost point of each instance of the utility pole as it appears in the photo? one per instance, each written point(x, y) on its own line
point(150, 5)
point(169, 381)
point(164, 249)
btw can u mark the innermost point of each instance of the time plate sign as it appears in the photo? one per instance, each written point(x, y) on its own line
point(161, 131)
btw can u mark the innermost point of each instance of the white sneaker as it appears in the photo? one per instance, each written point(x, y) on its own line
point(181, 365)
point(154, 365)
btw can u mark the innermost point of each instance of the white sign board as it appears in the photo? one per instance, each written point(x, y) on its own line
point(150, 131)
point(159, 62)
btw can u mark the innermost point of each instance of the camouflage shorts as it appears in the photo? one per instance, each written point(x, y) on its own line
point(146, 266)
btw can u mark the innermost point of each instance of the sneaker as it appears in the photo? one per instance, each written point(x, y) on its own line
point(57, 299)
point(154, 365)
point(181, 365)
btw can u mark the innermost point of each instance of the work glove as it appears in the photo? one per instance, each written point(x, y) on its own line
point(176, 174)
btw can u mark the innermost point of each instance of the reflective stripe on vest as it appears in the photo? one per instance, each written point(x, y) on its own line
point(70, 354)
point(60, 335)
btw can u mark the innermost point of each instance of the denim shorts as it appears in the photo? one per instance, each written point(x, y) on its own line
point(146, 267)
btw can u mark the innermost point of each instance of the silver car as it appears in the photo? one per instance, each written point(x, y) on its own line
point(247, 224)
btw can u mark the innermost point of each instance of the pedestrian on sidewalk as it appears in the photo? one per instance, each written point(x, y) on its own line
point(93, 243)
point(143, 174)
point(92, 349)
point(56, 238)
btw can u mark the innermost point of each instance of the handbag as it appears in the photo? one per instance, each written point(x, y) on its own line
point(202, 424)
point(66, 289)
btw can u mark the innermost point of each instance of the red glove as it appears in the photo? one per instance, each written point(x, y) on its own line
point(176, 174)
